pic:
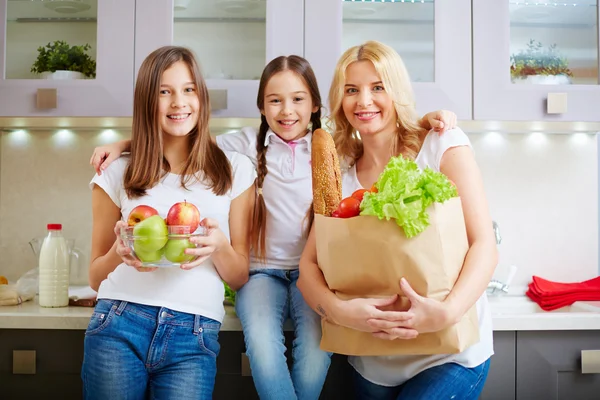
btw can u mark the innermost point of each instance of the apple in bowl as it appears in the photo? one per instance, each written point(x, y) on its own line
point(140, 213)
point(184, 214)
point(159, 245)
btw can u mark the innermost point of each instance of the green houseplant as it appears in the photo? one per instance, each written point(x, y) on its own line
point(60, 56)
point(536, 60)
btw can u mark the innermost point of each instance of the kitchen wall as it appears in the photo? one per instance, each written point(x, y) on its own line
point(542, 190)
point(44, 178)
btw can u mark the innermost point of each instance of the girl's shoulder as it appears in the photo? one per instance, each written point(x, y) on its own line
point(435, 145)
point(242, 172)
point(117, 167)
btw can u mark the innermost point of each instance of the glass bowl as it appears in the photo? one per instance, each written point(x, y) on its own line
point(162, 251)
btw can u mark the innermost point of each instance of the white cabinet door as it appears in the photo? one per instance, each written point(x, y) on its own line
point(232, 39)
point(536, 60)
point(106, 25)
point(432, 37)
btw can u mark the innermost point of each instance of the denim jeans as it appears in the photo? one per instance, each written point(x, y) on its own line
point(134, 351)
point(446, 381)
point(263, 304)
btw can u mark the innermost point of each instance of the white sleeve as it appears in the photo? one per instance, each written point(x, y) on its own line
point(243, 173)
point(243, 142)
point(111, 180)
point(452, 138)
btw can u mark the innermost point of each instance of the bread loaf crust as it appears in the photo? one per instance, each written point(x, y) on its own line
point(326, 175)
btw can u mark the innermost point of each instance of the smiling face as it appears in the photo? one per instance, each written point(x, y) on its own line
point(178, 101)
point(366, 104)
point(288, 105)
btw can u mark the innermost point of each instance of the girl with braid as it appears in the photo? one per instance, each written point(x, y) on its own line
point(290, 106)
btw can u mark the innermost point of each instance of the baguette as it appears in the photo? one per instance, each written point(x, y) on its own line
point(326, 175)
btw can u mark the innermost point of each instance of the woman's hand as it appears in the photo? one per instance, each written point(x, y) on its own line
point(426, 315)
point(125, 252)
point(440, 121)
point(104, 155)
point(360, 313)
point(213, 240)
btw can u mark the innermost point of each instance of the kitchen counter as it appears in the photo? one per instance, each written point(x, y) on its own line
point(509, 313)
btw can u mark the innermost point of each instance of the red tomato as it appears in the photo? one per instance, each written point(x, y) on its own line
point(348, 208)
point(359, 194)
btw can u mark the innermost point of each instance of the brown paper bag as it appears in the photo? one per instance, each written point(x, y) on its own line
point(366, 257)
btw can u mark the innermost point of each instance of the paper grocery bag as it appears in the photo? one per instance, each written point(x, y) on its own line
point(366, 257)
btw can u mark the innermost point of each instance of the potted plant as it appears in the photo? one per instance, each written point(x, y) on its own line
point(59, 60)
point(540, 65)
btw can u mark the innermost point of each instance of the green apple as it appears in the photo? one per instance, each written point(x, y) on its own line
point(150, 234)
point(147, 256)
point(175, 250)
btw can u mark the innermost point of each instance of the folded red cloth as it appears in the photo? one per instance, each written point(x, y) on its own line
point(550, 303)
point(544, 287)
point(552, 295)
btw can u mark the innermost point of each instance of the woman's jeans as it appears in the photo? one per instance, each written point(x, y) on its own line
point(263, 304)
point(446, 381)
point(134, 351)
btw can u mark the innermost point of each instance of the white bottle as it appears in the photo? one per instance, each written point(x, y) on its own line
point(54, 269)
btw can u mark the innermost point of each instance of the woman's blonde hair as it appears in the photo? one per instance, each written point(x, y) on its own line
point(396, 82)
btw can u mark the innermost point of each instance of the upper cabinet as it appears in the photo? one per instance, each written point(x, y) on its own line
point(503, 60)
point(536, 60)
point(94, 37)
point(432, 37)
point(232, 39)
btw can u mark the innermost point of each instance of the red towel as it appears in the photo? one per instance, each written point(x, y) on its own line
point(552, 295)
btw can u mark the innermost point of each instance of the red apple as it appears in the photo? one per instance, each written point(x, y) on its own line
point(184, 213)
point(140, 213)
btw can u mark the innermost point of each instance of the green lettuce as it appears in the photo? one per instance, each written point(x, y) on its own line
point(229, 293)
point(405, 192)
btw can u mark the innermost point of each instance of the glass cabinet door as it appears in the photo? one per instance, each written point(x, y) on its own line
point(432, 37)
point(67, 49)
point(232, 39)
point(536, 60)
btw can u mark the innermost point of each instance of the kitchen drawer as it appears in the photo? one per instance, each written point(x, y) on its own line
point(57, 351)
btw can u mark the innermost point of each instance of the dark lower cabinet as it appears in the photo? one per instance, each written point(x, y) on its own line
point(549, 365)
point(501, 380)
point(59, 354)
point(526, 366)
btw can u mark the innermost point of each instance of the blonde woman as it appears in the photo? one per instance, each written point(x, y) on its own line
point(371, 94)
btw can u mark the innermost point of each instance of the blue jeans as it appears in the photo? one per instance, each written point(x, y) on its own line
point(446, 381)
point(263, 304)
point(134, 351)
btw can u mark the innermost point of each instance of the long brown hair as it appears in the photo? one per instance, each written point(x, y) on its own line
point(396, 81)
point(147, 164)
point(302, 68)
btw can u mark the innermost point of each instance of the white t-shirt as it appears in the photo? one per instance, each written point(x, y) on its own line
point(287, 191)
point(196, 291)
point(395, 370)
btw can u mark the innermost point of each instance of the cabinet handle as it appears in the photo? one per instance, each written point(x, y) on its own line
point(590, 361)
point(556, 103)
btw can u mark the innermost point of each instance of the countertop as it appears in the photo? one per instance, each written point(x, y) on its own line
point(509, 313)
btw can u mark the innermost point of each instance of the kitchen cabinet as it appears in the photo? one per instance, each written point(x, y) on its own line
point(59, 354)
point(233, 40)
point(535, 60)
point(432, 37)
point(549, 365)
point(526, 365)
point(501, 380)
point(106, 25)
